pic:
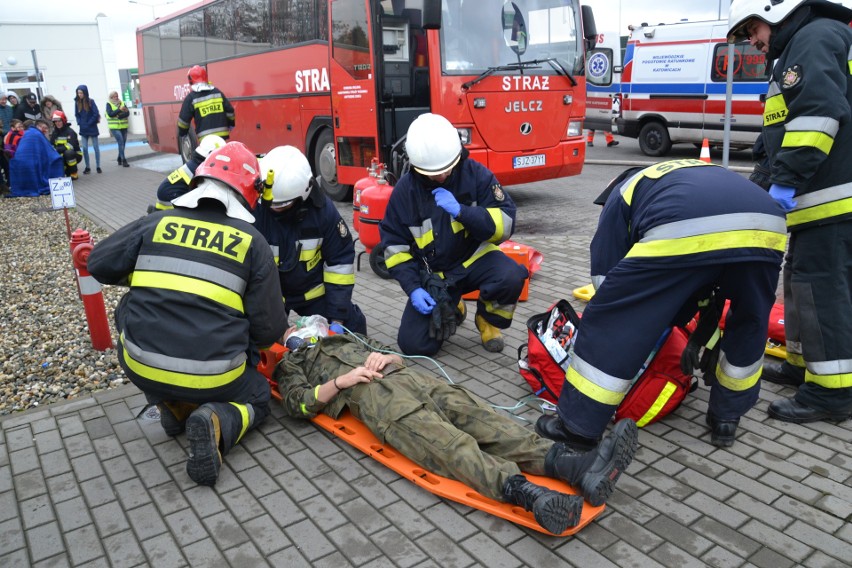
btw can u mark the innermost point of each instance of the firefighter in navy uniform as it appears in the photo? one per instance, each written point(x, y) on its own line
point(807, 132)
point(311, 243)
point(203, 300)
point(669, 237)
point(207, 105)
point(441, 231)
point(177, 182)
point(65, 140)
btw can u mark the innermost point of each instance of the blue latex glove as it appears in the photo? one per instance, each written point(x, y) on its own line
point(336, 328)
point(783, 195)
point(422, 301)
point(446, 201)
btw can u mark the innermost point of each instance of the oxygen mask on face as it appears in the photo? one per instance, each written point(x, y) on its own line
point(309, 329)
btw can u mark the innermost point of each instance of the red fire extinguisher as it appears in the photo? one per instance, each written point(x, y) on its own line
point(374, 202)
point(360, 185)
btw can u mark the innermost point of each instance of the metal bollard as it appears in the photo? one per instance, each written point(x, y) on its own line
point(90, 291)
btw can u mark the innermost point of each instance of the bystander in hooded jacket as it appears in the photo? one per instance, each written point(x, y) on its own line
point(87, 114)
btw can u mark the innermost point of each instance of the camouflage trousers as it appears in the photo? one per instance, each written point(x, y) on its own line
point(448, 430)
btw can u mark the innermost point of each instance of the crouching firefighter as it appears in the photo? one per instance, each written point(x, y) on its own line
point(668, 236)
point(311, 243)
point(441, 231)
point(177, 182)
point(203, 299)
point(65, 140)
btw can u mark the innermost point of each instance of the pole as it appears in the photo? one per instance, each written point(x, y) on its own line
point(37, 74)
point(729, 93)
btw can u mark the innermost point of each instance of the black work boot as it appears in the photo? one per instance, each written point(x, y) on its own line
point(553, 510)
point(783, 374)
point(552, 427)
point(595, 472)
point(173, 416)
point(722, 432)
point(203, 434)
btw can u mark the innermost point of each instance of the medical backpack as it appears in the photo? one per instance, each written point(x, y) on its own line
point(658, 390)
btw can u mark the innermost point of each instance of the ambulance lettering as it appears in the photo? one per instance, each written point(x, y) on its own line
point(526, 83)
point(199, 235)
point(524, 106)
point(312, 80)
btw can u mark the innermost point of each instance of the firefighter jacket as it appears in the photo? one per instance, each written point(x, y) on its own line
point(211, 110)
point(314, 251)
point(65, 139)
point(807, 119)
point(415, 230)
point(203, 298)
point(177, 182)
point(685, 213)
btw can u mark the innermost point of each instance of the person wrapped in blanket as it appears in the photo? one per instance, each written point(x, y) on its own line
point(447, 429)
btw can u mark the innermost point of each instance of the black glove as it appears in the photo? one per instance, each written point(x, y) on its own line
point(708, 327)
point(443, 323)
point(760, 176)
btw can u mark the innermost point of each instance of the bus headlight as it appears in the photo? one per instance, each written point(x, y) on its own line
point(464, 134)
point(575, 128)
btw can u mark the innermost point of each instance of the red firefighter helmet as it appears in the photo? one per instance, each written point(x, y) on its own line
point(197, 74)
point(59, 115)
point(236, 166)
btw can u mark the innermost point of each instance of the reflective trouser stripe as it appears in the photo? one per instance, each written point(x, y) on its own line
point(246, 415)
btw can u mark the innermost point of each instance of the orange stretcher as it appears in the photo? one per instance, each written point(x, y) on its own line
point(353, 432)
point(773, 346)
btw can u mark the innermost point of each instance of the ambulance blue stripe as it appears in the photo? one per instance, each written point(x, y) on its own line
point(693, 88)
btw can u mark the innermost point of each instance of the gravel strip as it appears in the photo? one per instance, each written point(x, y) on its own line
point(45, 345)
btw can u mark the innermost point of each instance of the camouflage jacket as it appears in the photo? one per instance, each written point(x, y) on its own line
point(300, 374)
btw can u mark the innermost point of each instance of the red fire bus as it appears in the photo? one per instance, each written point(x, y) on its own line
point(343, 79)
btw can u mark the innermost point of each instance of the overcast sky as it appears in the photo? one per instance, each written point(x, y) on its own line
point(126, 17)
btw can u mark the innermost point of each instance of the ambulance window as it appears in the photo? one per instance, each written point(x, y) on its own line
point(749, 64)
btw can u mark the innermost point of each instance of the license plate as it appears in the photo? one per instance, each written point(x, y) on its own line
point(527, 161)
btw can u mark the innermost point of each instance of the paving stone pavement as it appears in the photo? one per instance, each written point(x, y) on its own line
point(88, 483)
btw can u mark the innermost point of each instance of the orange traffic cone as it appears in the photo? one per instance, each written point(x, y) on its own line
point(705, 151)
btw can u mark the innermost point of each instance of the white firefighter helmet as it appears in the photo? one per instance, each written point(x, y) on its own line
point(292, 174)
point(433, 145)
point(208, 144)
point(772, 12)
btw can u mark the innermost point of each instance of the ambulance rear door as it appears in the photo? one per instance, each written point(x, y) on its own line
point(603, 80)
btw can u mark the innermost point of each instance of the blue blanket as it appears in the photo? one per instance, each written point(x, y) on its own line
point(34, 163)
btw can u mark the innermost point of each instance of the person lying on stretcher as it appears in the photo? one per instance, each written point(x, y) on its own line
point(449, 431)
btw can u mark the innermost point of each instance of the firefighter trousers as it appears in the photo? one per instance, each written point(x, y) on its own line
point(499, 280)
point(818, 314)
point(632, 308)
point(447, 430)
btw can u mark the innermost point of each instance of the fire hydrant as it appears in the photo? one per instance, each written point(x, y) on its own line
point(90, 291)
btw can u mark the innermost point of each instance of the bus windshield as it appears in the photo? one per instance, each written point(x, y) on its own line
point(473, 39)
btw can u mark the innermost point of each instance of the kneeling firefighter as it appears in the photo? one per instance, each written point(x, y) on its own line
point(311, 243)
point(441, 231)
point(671, 236)
point(203, 300)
